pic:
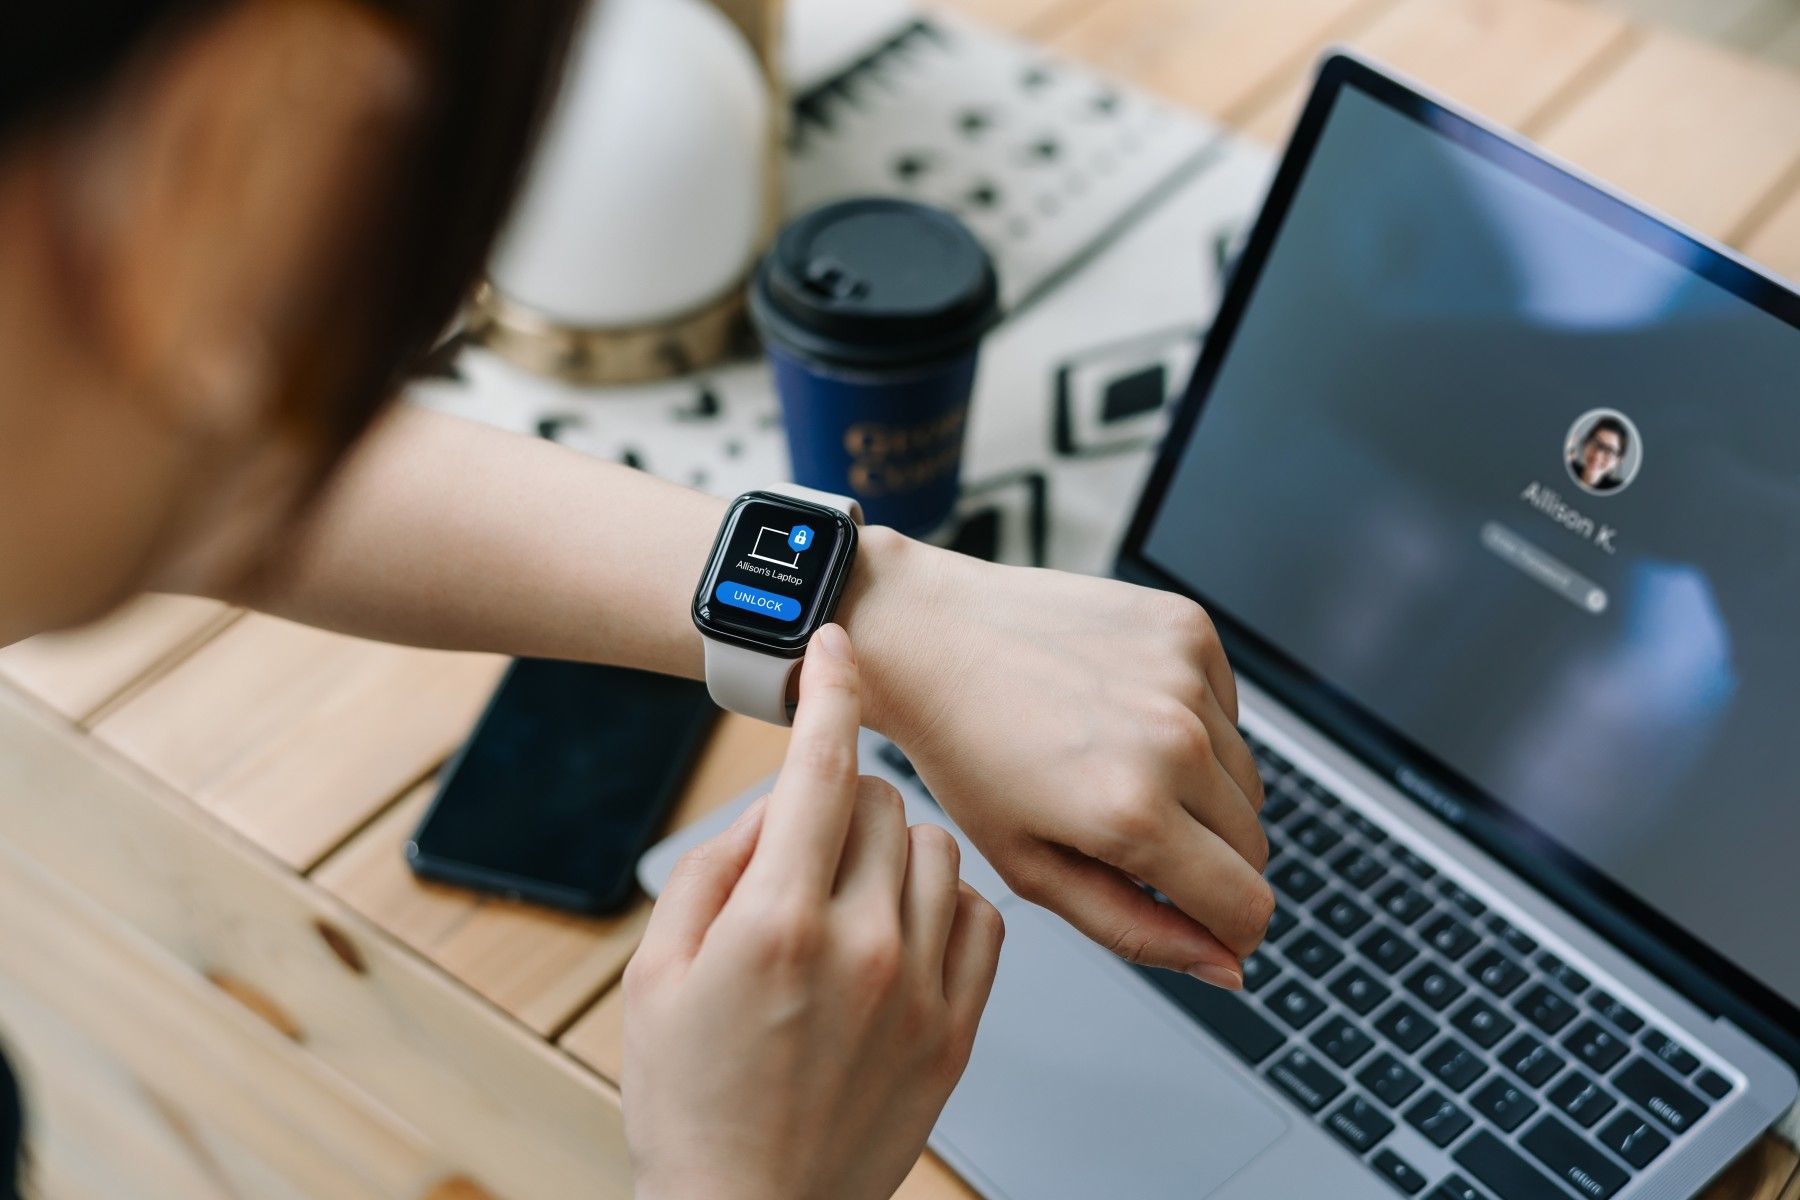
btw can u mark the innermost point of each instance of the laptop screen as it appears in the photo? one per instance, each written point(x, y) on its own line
point(1519, 484)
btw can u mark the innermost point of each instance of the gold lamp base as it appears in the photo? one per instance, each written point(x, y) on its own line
point(630, 354)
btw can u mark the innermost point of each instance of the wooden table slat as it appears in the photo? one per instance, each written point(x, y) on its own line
point(1037, 18)
point(483, 1090)
point(1223, 57)
point(1471, 50)
point(1690, 129)
point(541, 966)
point(192, 1093)
point(296, 737)
point(79, 672)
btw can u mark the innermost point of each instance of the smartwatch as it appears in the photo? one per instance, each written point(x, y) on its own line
point(776, 573)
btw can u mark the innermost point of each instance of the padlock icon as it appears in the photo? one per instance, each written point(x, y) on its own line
point(799, 538)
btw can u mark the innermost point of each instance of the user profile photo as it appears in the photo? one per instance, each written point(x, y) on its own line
point(1603, 451)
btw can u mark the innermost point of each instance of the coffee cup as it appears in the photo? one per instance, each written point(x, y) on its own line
point(872, 312)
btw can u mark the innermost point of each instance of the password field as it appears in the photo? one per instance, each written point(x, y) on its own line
point(1533, 560)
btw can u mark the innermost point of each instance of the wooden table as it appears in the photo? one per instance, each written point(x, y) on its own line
point(218, 973)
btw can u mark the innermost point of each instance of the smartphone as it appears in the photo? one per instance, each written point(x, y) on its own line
point(565, 782)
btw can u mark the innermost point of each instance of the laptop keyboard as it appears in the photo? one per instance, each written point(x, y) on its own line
point(1432, 1037)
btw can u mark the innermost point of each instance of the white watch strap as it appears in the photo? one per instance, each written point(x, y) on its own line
point(749, 681)
point(844, 504)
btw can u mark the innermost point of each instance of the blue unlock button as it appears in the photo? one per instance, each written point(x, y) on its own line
point(739, 595)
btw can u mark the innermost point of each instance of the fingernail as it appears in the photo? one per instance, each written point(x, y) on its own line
point(1219, 977)
point(834, 642)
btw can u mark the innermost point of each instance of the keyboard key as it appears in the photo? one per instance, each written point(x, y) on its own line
point(1342, 915)
point(1306, 1079)
point(1632, 1139)
point(1314, 836)
point(1572, 1160)
point(1531, 1060)
point(1713, 1084)
point(1501, 1171)
point(1403, 902)
point(1455, 1188)
point(1434, 984)
point(1358, 1124)
point(1454, 1063)
point(1321, 795)
point(1484, 1023)
point(1281, 923)
point(1674, 1056)
point(1391, 1080)
point(1359, 990)
point(1592, 1044)
point(1510, 935)
point(1342, 1042)
point(1502, 1103)
point(1582, 1099)
point(1296, 880)
point(1415, 866)
point(1615, 1011)
point(1278, 806)
point(1437, 1117)
point(1459, 898)
point(1406, 1026)
point(1269, 771)
point(1660, 1096)
point(1449, 936)
point(1259, 972)
point(1360, 869)
point(1387, 949)
point(1250, 1035)
point(1544, 1008)
point(1562, 974)
point(1367, 828)
point(1496, 972)
point(1399, 1172)
point(1294, 1004)
point(1313, 954)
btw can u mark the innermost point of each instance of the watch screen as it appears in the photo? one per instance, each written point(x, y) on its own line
point(775, 563)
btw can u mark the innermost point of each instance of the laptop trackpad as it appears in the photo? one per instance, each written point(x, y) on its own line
point(1079, 1084)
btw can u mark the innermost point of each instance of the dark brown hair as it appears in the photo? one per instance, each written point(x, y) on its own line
point(490, 68)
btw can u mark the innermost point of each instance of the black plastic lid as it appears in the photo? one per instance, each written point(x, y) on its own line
point(875, 282)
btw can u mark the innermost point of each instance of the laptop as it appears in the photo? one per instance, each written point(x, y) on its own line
point(1491, 481)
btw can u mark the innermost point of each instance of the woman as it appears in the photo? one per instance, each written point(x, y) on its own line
point(228, 230)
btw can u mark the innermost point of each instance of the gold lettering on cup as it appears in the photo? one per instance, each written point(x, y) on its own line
point(889, 459)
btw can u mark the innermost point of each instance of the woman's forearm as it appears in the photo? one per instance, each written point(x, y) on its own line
point(1079, 730)
point(445, 533)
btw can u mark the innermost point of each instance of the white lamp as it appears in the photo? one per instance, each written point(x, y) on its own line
point(646, 204)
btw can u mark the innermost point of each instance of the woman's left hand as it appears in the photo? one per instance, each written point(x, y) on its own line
point(1083, 732)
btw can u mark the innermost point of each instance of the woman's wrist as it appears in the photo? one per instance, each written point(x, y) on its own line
point(899, 608)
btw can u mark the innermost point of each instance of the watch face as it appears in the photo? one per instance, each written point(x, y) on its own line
point(775, 572)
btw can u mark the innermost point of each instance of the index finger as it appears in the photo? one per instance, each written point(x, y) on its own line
point(808, 814)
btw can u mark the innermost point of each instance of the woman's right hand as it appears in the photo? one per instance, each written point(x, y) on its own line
point(809, 985)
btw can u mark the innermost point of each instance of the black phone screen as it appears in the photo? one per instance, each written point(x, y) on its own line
point(564, 783)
